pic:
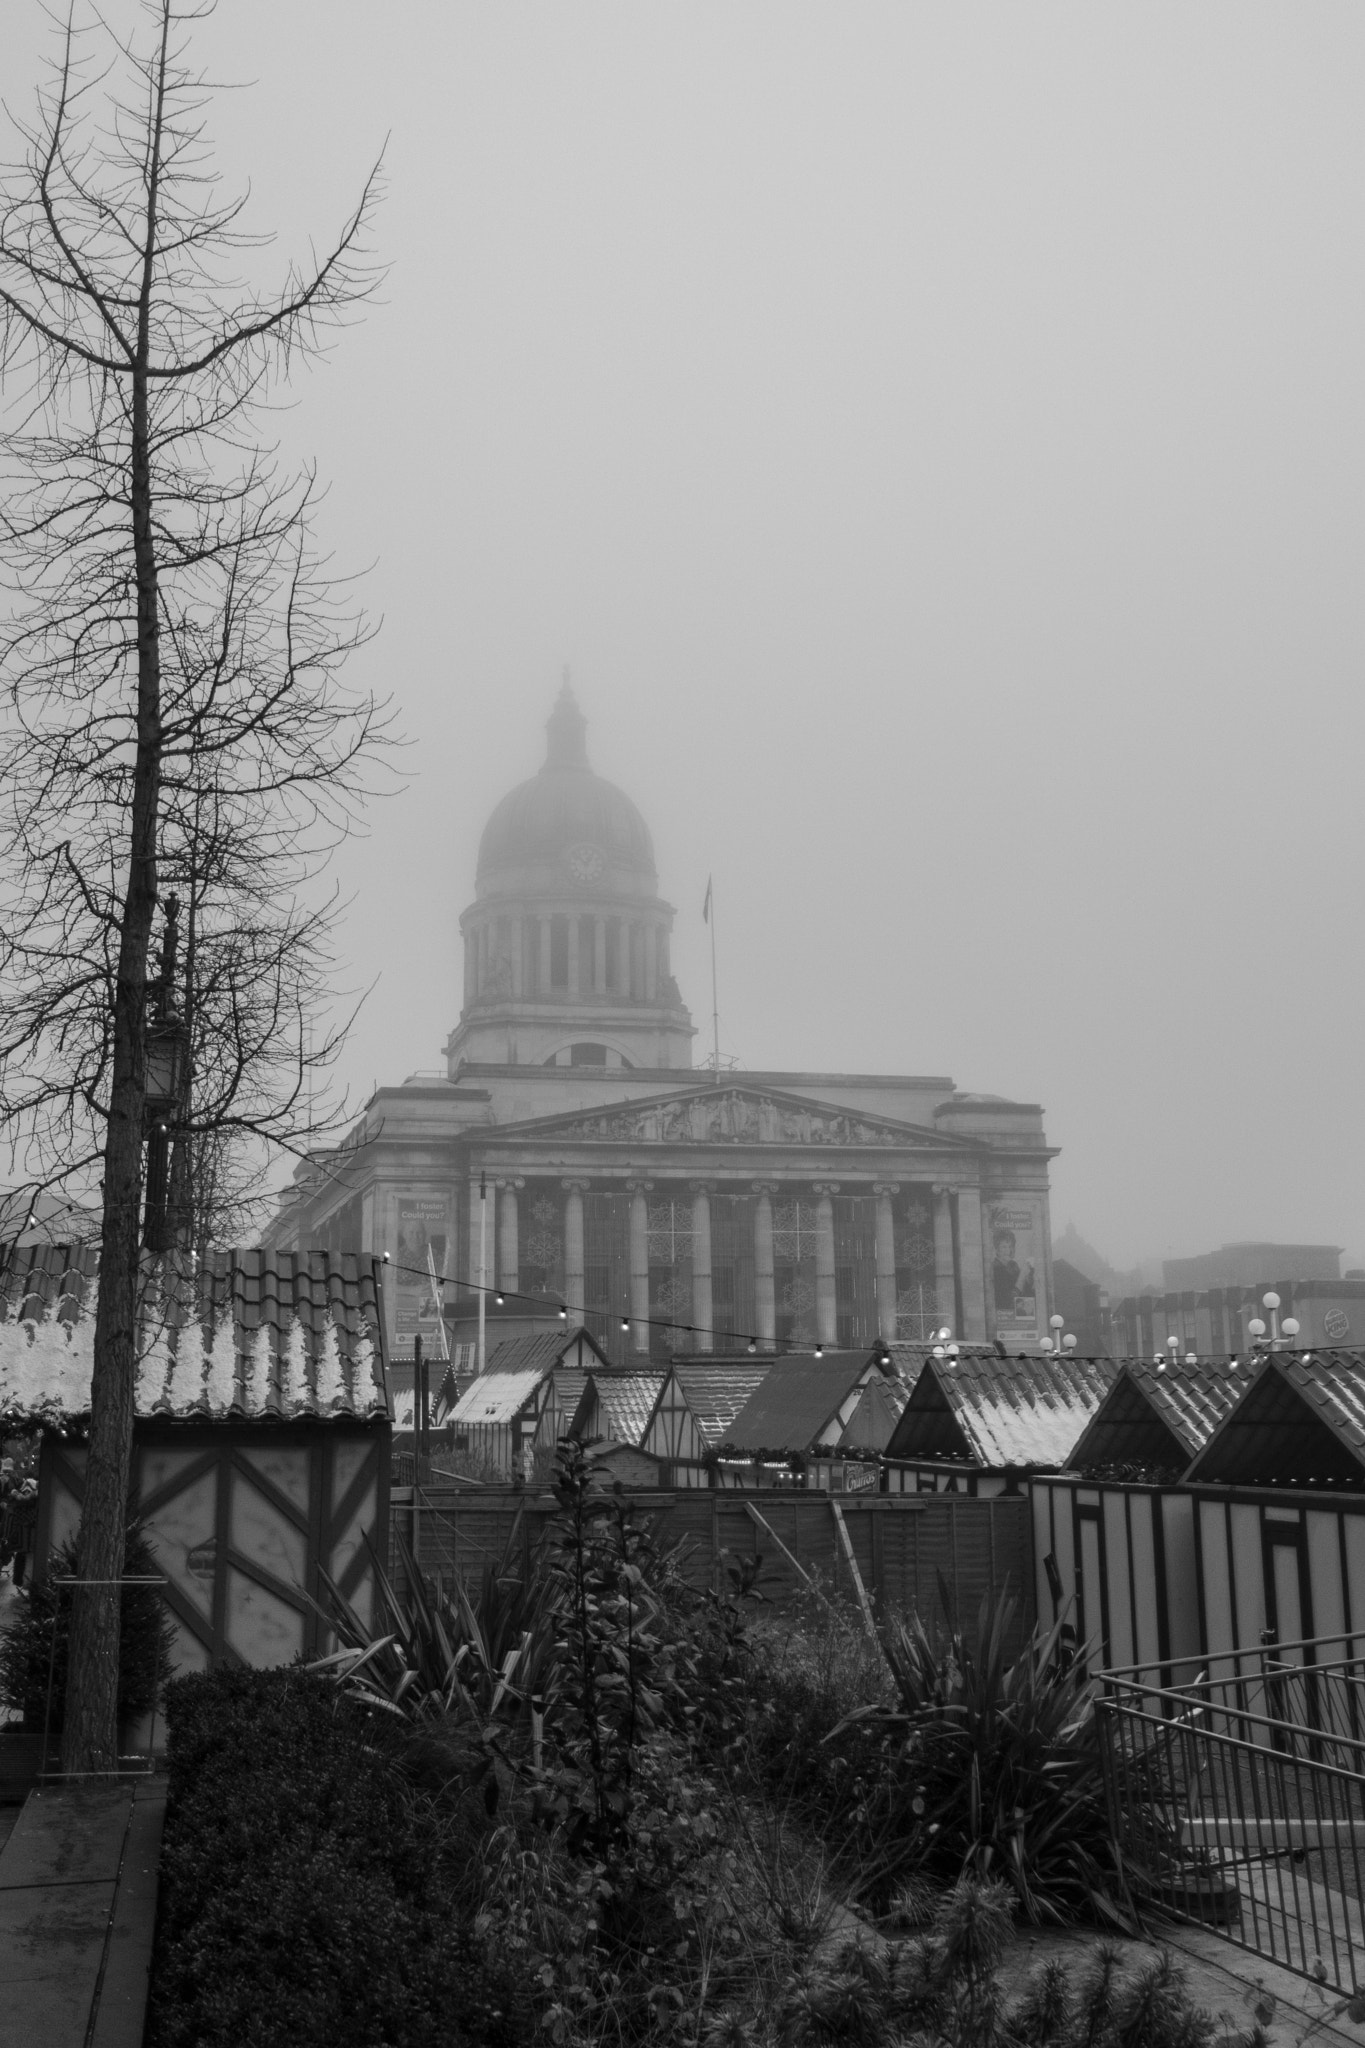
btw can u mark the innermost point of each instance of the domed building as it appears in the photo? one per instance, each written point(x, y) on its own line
point(572, 1156)
point(566, 941)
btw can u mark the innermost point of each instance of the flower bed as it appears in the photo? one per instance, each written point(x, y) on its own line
point(308, 1883)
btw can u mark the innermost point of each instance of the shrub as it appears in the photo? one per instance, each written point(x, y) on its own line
point(954, 1759)
point(307, 1881)
point(34, 1646)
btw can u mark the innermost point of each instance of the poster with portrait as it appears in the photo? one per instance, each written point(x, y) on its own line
point(423, 1227)
point(1014, 1261)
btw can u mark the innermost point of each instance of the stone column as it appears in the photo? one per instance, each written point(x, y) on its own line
point(886, 1259)
point(472, 1269)
point(651, 963)
point(518, 943)
point(701, 1264)
point(599, 954)
point(469, 967)
point(573, 955)
point(826, 1300)
point(639, 1264)
point(765, 1297)
point(973, 1265)
point(509, 1251)
point(945, 1271)
point(543, 964)
point(573, 1248)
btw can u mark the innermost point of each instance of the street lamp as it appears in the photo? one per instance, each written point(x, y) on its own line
point(1282, 1334)
point(1057, 1345)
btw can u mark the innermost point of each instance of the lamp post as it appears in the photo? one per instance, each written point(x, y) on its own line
point(165, 1070)
point(1057, 1345)
point(944, 1347)
point(1282, 1334)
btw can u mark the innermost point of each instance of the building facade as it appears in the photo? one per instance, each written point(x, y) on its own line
point(573, 1155)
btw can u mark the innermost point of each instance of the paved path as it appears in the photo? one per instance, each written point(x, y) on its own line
point(1221, 1977)
point(77, 1907)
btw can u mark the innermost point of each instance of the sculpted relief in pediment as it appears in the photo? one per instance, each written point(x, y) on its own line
point(732, 1118)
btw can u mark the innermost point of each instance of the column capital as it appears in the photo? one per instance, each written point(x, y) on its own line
point(640, 1187)
point(766, 1187)
point(510, 1181)
point(575, 1185)
point(825, 1187)
point(702, 1187)
point(886, 1187)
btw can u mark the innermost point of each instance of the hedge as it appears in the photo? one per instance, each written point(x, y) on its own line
point(305, 1892)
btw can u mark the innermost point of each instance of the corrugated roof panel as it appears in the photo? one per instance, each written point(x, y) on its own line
point(715, 1393)
point(798, 1396)
point(496, 1397)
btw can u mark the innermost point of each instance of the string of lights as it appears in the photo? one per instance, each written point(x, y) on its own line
point(734, 1339)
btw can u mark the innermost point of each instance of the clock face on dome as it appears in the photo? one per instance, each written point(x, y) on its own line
point(585, 863)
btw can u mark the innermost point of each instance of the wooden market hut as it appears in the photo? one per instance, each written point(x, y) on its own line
point(646, 1410)
point(976, 1424)
point(261, 1437)
point(1158, 1415)
point(790, 1431)
point(716, 1388)
point(526, 1399)
point(1300, 1422)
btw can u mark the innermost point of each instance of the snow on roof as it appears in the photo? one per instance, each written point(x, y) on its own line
point(254, 1333)
point(497, 1397)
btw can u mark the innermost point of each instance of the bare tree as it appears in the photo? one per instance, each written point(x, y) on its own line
point(172, 636)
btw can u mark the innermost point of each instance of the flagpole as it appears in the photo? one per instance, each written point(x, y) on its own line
point(715, 1008)
point(483, 1270)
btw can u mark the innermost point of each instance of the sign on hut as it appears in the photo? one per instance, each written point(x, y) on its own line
point(260, 1442)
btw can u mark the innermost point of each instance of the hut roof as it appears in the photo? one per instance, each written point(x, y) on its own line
point(628, 1400)
point(1024, 1413)
point(498, 1397)
point(256, 1333)
point(800, 1394)
point(543, 1349)
point(1160, 1415)
point(716, 1390)
point(1300, 1422)
point(872, 1424)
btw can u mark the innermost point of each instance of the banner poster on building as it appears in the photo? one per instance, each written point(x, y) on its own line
point(423, 1225)
point(1015, 1254)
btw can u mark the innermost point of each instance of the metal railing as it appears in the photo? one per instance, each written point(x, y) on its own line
point(1237, 1797)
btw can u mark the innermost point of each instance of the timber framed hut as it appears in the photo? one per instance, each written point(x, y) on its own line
point(525, 1401)
point(1300, 1422)
point(261, 1435)
point(790, 1432)
point(1157, 1416)
point(646, 1411)
point(979, 1424)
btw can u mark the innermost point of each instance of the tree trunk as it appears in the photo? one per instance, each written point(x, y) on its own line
point(90, 1730)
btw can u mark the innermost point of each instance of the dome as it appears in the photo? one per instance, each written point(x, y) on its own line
point(563, 808)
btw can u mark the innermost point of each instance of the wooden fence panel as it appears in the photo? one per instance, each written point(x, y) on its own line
point(910, 1551)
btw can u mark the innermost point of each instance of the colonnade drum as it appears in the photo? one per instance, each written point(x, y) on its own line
point(705, 1265)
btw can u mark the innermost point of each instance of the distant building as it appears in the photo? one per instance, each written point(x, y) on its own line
point(1083, 1306)
point(1244, 1265)
point(678, 1210)
point(1213, 1323)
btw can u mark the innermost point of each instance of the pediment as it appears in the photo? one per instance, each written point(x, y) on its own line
point(733, 1116)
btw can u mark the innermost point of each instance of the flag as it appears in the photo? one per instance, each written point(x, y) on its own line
point(706, 905)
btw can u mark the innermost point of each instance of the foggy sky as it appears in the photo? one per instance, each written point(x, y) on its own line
point(933, 438)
